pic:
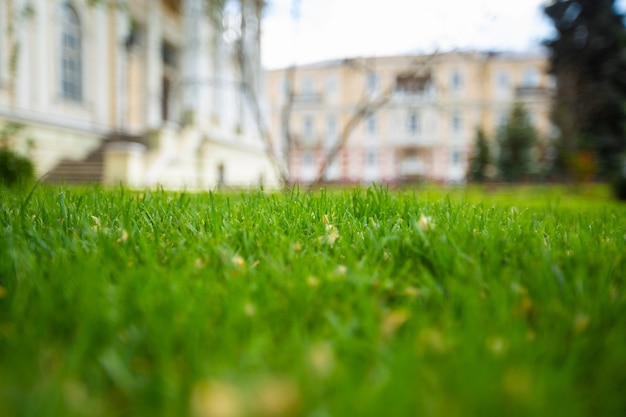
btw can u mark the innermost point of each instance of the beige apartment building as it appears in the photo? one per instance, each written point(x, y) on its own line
point(148, 94)
point(433, 105)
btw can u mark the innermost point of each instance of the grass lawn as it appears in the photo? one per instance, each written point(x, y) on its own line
point(351, 303)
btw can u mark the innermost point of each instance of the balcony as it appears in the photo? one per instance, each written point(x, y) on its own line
point(414, 88)
point(415, 141)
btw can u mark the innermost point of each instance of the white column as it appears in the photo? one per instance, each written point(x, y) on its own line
point(42, 56)
point(102, 67)
point(197, 68)
point(154, 66)
point(253, 45)
point(190, 64)
point(122, 28)
point(219, 63)
point(23, 73)
point(252, 70)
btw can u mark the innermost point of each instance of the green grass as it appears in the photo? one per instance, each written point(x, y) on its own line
point(354, 303)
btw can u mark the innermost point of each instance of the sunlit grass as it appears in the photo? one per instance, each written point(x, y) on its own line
point(355, 303)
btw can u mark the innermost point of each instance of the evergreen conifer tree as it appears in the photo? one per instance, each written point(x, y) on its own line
point(516, 141)
point(480, 159)
point(588, 58)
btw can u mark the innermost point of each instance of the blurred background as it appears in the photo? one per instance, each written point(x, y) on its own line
point(239, 93)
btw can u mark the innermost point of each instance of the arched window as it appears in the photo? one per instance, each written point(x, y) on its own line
point(71, 54)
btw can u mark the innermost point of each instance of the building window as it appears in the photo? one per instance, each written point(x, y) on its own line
point(286, 87)
point(371, 124)
point(307, 159)
point(414, 125)
point(331, 129)
point(531, 78)
point(169, 55)
point(334, 169)
point(308, 87)
point(307, 127)
point(457, 122)
point(552, 82)
point(71, 54)
point(332, 125)
point(371, 158)
point(456, 81)
point(456, 157)
point(371, 83)
point(502, 81)
point(170, 59)
point(331, 85)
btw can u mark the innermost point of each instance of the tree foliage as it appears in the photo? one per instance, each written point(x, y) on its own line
point(588, 58)
point(516, 141)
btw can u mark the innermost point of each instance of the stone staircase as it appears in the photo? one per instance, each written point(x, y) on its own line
point(87, 171)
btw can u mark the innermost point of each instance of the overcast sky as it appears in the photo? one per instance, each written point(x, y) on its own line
point(339, 28)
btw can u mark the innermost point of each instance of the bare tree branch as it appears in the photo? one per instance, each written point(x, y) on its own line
point(367, 107)
point(265, 134)
point(249, 86)
point(287, 109)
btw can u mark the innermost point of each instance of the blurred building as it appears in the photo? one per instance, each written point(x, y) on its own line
point(426, 128)
point(147, 94)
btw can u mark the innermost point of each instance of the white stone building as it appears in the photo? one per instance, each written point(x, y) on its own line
point(146, 95)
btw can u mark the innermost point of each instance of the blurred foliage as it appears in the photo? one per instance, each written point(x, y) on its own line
point(588, 58)
point(15, 169)
point(619, 181)
point(480, 159)
point(8, 132)
point(583, 166)
point(619, 187)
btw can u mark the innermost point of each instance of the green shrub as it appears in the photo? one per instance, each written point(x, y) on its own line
point(15, 170)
